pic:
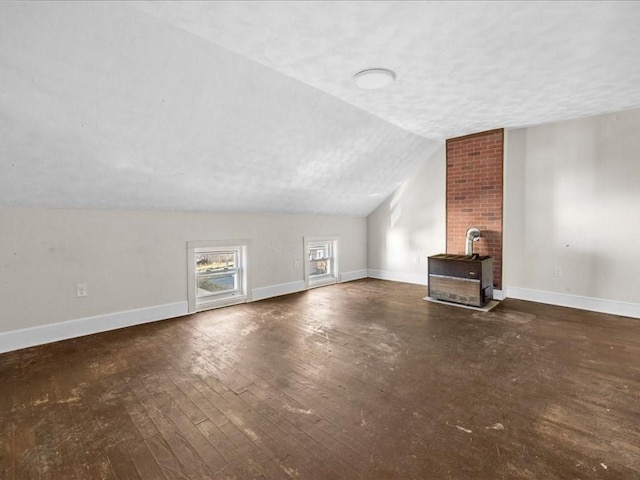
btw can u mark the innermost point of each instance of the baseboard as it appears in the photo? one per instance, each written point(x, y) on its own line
point(299, 286)
point(32, 336)
point(29, 337)
point(277, 290)
point(354, 275)
point(614, 307)
point(416, 278)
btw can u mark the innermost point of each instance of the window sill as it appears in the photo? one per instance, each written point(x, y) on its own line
point(322, 281)
point(220, 302)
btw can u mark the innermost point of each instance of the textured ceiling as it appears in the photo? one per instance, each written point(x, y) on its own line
point(463, 67)
point(250, 106)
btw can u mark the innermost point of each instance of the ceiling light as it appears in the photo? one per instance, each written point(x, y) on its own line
point(373, 78)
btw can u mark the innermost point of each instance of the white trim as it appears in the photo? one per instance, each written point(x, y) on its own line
point(29, 337)
point(241, 296)
point(277, 290)
point(614, 307)
point(353, 275)
point(416, 278)
point(299, 286)
point(321, 282)
point(219, 303)
point(498, 294)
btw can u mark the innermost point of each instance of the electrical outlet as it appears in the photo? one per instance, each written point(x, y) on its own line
point(296, 264)
point(82, 290)
point(418, 260)
point(557, 272)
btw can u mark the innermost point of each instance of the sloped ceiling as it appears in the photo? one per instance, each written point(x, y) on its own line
point(250, 106)
point(463, 67)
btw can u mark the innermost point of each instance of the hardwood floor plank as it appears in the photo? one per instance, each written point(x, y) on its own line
point(323, 459)
point(255, 428)
point(246, 460)
point(139, 416)
point(164, 413)
point(167, 461)
point(361, 380)
point(18, 448)
point(292, 422)
point(145, 463)
point(165, 393)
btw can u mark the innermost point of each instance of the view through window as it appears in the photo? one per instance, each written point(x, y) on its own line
point(216, 272)
point(319, 258)
point(321, 267)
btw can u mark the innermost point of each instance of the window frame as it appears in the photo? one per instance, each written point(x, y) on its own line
point(332, 275)
point(240, 292)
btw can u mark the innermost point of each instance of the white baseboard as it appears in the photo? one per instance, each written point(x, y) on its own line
point(299, 286)
point(29, 337)
point(614, 307)
point(277, 290)
point(416, 278)
point(354, 275)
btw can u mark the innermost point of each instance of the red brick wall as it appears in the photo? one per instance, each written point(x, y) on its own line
point(474, 195)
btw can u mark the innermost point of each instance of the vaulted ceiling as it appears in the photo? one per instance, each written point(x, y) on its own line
point(251, 106)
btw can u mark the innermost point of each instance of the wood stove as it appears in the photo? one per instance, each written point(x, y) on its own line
point(465, 279)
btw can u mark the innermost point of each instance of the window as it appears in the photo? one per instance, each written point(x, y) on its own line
point(217, 274)
point(321, 263)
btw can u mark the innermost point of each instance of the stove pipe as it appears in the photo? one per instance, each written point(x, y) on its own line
point(473, 235)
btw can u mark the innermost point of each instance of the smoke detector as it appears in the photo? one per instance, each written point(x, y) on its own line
point(374, 78)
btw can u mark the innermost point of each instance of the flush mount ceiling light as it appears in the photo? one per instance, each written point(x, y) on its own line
point(373, 78)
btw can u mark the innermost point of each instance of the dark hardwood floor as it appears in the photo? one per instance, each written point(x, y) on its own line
point(362, 380)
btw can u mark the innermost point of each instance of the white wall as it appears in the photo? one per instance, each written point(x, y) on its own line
point(410, 225)
point(572, 202)
point(138, 260)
